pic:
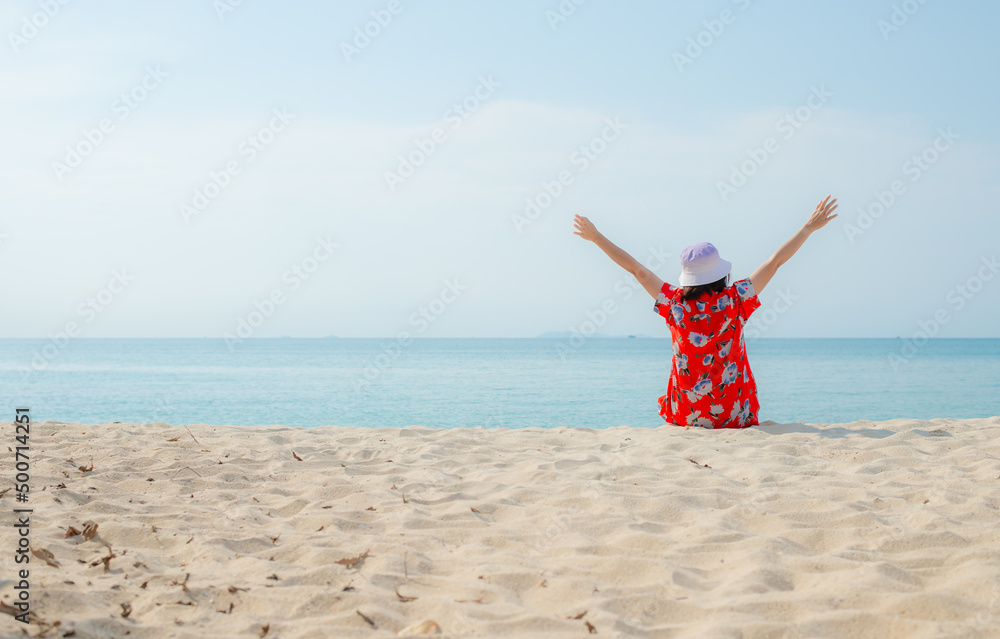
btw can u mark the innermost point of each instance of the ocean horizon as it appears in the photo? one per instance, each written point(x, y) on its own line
point(489, 382)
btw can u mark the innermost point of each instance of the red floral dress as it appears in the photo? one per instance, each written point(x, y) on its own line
point(710, 380)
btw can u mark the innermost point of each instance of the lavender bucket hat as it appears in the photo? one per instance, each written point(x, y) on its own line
point(701, 264)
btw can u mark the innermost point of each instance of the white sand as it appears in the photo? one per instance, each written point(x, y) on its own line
point(858, 530)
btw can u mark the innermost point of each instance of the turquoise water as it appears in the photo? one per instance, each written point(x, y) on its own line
point(477, 382)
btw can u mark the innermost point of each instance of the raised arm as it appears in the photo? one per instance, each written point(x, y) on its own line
point(649, 281)
point(819, 218)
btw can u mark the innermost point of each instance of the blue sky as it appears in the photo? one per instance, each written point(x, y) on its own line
point(447, 238)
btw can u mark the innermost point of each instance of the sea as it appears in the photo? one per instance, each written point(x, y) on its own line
point(494, 383)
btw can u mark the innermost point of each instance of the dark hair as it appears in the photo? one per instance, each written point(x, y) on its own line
point(694, 292)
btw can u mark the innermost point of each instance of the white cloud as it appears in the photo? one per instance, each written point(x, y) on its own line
point(655, 186)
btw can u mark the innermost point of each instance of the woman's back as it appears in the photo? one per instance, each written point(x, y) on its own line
point(711, 383)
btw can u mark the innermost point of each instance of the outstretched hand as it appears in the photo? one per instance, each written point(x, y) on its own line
point(585, 228)
point(822, 215)
point(819, 218)
point(646, 278)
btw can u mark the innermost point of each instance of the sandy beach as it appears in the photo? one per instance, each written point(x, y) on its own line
point(884, 530)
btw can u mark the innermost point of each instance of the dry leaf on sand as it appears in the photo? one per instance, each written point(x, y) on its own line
point(367, 619)
point(46, 556)
point(427, 627)
point(404, 598)
point(106, 559)
point(351, 562)
point(89, 530)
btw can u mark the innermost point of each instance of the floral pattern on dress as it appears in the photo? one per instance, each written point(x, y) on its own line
point(711, 384)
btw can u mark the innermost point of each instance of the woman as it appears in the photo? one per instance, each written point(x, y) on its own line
point(711, 384)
